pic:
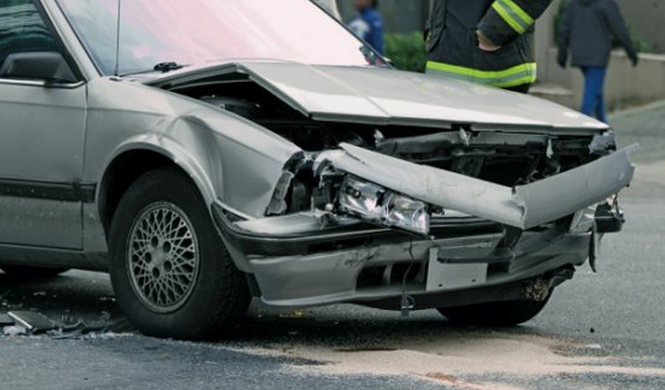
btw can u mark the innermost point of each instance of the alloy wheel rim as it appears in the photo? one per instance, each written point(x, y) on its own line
point(163, 257)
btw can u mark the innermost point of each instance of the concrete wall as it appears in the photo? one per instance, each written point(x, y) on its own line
point(625, 85)
point(646, 18)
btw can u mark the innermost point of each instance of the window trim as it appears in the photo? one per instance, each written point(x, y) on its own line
point(41, 83)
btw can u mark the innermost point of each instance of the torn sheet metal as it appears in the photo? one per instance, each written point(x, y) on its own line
point(603, 143)
point(523, 207)
point(432, 142)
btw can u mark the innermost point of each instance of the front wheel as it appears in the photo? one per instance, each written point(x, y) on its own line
point(171, 273)
point(495, 314)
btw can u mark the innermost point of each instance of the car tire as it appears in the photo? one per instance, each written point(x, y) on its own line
point(25, 271)
point(494, 314)
point(171, 273)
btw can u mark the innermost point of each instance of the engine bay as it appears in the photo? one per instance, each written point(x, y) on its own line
point(504, 158)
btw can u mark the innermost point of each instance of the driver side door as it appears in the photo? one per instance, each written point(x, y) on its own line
point(42, 126)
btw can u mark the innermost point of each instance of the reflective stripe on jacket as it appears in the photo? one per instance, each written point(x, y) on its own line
point(512, 77)
point(452, 42)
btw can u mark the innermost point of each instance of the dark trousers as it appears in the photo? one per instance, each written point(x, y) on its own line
point(594, 102)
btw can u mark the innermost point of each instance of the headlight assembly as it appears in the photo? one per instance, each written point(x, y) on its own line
point(379, 205)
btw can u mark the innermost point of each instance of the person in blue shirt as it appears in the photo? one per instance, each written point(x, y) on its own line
point(368, 25)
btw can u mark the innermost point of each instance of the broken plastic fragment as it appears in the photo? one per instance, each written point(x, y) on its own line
point(14, 330)
point(550, 149)
point(33, 321)
point(603, 143)
point(465, 137)
point(278, 204)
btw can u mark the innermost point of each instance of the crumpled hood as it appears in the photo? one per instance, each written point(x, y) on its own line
point(389, 97)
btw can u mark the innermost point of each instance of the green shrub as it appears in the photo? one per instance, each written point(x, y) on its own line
point(406, 51)
point(640, 43)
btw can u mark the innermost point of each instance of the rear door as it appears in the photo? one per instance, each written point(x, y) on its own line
point(42, 125)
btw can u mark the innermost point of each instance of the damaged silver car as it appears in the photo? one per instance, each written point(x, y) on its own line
point(205, 151)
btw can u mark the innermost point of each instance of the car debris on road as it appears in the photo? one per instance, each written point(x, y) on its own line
point(30, 323)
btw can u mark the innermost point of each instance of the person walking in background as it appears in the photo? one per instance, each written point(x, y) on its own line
point(368, 24)
point(588, 30)
point(484, 41)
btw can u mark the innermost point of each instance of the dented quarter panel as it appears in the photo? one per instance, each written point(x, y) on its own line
point(523, 207)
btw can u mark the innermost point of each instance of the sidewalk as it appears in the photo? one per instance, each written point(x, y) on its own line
point(646, 126)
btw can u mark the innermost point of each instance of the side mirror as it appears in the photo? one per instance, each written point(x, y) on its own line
point(47, 66)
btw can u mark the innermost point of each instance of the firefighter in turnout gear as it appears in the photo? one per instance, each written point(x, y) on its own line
point(484, 41)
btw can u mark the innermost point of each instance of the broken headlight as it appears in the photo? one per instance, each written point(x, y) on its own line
point(379, 205)
point(584, 220)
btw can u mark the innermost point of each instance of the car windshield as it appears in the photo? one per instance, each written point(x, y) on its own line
point(187, 32)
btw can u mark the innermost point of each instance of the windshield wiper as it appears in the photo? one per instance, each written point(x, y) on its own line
point(161, 67)
point(167, 66)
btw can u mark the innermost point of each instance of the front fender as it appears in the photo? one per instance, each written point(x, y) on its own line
point(231, 159)
point(171, 150)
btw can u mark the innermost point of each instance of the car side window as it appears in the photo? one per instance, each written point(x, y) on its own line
point(23, 30)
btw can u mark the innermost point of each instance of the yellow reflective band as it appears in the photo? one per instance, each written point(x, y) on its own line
point(508, 19)
point(514, 83)
point(518, 10)
point(517, 75)
point(514, 15)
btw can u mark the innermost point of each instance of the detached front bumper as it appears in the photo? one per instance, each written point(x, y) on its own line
point(497, 236)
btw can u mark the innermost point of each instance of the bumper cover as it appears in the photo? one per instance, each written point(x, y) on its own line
point(523, 207)
point(326, 278)
point(302, 280)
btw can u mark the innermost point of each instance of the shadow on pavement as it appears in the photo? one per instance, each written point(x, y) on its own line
point(347, 328)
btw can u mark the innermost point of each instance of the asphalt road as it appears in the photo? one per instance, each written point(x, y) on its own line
point(599, 331)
